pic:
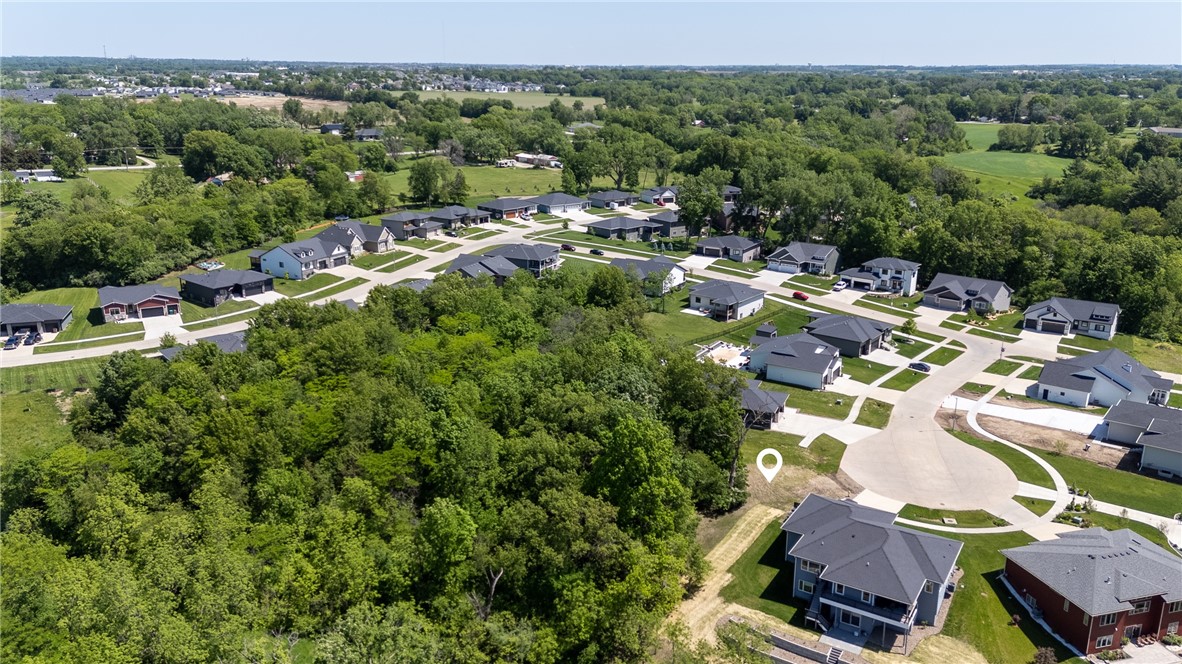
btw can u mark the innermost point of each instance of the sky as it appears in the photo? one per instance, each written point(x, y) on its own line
point(631, 33)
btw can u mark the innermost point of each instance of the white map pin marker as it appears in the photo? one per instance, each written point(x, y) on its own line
point(769, 473)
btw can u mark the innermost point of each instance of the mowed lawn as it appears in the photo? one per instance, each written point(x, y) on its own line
point(32, 423)
point(1004, 174)
point(87, 322)
point(51, 376)
point(489, 182)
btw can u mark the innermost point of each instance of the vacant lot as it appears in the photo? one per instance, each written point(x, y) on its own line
point(1005, 174)
point(276, 102)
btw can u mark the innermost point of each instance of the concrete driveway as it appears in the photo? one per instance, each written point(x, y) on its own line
point(266, 298)
point(811, 426)
point(158, 326)
point(1054, 418)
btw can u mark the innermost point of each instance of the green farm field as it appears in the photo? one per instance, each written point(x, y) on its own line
point(1004, 174)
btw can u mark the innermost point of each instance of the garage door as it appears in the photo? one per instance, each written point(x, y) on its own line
point(1032, 323)
point(252, 290)
point(339, 261)
point(151, 312)
point(1057, 328)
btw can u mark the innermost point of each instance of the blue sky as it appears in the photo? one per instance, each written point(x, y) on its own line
point(657, 33)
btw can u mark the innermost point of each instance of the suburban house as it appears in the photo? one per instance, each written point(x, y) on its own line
point(334, 128)
point(605, 199)
point(232, 342)
point(473, 266)
point(725, 300)
point(674, 273)
point(537, 258)
point(213, 288)
point(418, 285)
point(1157, 430)
point(950, 291)
point(358, 237)
point(730, 193)
point(724, 221)
point(123, 302)
point(761, 408)
point(405, 225)
point(458, 216)
point(368, 134)
point(300, 259)
point(734, 247)
point(804, 257)
point(671, 224)
point(34, 318)
point(659, 195)
point(797, 359)
point(507, 208)
point(1060, 315)
point(893, 275)
point(854, 336)
point(559, 203)
point(1172, 132)
point(1102, 378)
point(859, 572)
point(624, 228)
point(1094, 587)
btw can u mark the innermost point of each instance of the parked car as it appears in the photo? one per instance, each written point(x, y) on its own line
point(597, 252)
point(567, 247)
point(452, 234)
point(32, 338)
point(922, 367)
point(13, 342)
point(525, 216)
point(800, 296)
point(839, 286)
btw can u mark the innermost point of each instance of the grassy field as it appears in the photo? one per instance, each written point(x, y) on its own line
point(32, 423)
point(1005, 174)
point(1002, 367)
point(1147, 531)
point(992, 335)
point(685, 328)
point(292, 287)
point(336, 288)
point(372, 261)
point(1004, 324)
point(94, 343)
point(1035, 505)
point(1120, 487)
point(615, 245)
point(862, 370)
point(725, 269)
point(52, 376)
point(1032, 372)
point(205, 325)
point(445, 247)
point(904, 380)
point(761, 579)
point(403, 262)
point(874, 413)
point(976, 388)
point(877, 305)
point(943, 356)
point(519, 99)
point(822, 456)
point(1023, 467)
point(813, 402)
point(194, 312)
point(964, 518)
point(1155, 355)
point(910, 348)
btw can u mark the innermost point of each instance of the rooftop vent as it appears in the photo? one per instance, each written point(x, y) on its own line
point(1127, 367)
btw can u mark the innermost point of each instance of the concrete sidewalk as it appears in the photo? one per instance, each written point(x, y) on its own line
point(1054, 418)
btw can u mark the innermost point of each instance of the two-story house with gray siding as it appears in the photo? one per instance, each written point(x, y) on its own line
point(860, 574)
point(892, 275)
point(300, 259)
point(537, 258)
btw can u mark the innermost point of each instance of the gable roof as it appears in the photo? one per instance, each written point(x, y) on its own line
point(1161, 425)
point(342, 231)
point(418, 285)
point(800, 252)
point(661, 191)
point(25, 314)
point(503, 204)
point(135, 294)
point(622, 224)
point(758, 400)
point(368, 132)
point(891, 263)
point(1102, 571)
point(862, 548)
point(471, 265)
point(451, 212)
point(1075, 309)
point(610, 195)
point(558, 198)
point(666, 216)
point(403, 217)
point(1076, 373)
point(525, 252)
point(966, 288)
point(729, 242)
point(646, 267)
point(846, 328)
point(801, 351)
point(720, 291)
point(313, 248)
point(225, 278)
point(231, 342)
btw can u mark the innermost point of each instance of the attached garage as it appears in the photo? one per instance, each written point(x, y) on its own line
point(1053, 327)
point(253, 289)
point(151, 312)
point(339, 261)
point(1031, 323)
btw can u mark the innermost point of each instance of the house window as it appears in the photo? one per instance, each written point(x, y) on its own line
point(1172, 628)
point(810, 567)
point(280, 263)
point(1099, 328)
point(1107, 620)
point(851, 619)
point(1104, 641)
point(1175, 607)
point(806, 587)
point(1086, 618)
point(867, 597)
point(1140, 607)
point(838, 589)
point(1066, 606)
point(929, 587)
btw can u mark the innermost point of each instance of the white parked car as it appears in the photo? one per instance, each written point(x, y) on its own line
point(839, 286)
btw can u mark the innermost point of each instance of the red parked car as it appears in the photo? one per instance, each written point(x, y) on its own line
point(800, 296)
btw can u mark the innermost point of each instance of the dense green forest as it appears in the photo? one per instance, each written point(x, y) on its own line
point(506, 474)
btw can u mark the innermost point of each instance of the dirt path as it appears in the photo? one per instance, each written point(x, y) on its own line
point(702, 611)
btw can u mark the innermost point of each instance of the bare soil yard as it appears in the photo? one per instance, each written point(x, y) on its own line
point(1045, 438)
point(272, 103)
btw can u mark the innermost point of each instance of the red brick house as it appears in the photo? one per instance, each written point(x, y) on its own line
point(122, 302)
point(1095, 587)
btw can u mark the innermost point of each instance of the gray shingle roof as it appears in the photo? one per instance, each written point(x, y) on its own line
point(728, 242)
point(1114, 364)
point(964, 288)
point(622, 224)
point(231, 342)
point(313, 248)
point(1162, 425)
point(452, 212)
point(645, 268)
point(225, 278)
point(342, 231)
point(503, 204)
point(800, 252)
point(666, 216)
point(525, 252)
point(1102, 571)
point(418, 285)
point(31, 314)
point(725, 292)
point(1076, 309)
point(610, 195)
point(403, 217)
point(890, 263)
point(861, 548)
point(849, 328)
point(471, 265)
point(757, 400)
point(134, 294)
point(800, 351)
point(558, 198)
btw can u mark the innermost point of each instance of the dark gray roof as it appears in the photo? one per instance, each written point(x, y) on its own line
point(725, 292)
point(800, 252)
point(134, 294)
point(889, 263)
point(846, 328)
point(661, 190)
point(471, 265)
point(666, 216)
point(862, 548)
point(503, 204)
point(368, 132)
point(964, 288)
point(342, 232)
point(728, 242)
point(525, 252)
point(451, 212)
point(1102, 571)
point(418, 285)
point(558, 198)
point(31, 314)
point(231, 342)
point(1161, 425)
point(622, 224)
point(731, 189)
point(644, 268)
point(311, 249)
point(403, 217)
point(610, 195)
point(800, 351)
point(757, 400)
point(1114, 364)
point(225, 278)
point(1076, 309)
